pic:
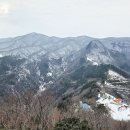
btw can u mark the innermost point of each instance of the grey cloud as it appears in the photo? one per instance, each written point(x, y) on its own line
point(98, 18)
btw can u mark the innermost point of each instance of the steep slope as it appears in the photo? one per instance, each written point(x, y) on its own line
point(98, 53)
point(120, 48)
point(78, 80)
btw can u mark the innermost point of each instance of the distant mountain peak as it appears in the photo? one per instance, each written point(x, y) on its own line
point(95, 44)
point(97, 52)
point(33, 34)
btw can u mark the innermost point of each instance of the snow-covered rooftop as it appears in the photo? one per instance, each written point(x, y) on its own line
point(118, 111)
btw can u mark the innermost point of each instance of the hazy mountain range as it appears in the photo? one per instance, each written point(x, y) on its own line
point(38, 61)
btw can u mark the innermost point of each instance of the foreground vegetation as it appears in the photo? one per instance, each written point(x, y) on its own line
point(28, 111)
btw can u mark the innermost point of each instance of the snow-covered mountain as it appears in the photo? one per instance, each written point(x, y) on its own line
point(75, 68)
point(39, 61)
point(37, 44)
point(109, 53)
point(98, 52)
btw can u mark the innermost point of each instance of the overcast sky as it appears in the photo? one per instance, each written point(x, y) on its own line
point(96, 18)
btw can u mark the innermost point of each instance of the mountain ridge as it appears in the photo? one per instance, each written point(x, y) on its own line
point(46, 60)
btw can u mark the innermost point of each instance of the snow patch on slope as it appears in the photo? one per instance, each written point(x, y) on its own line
point(42, 88)
point(49, 74)
point(1, 55)
point(93, 62)
point(114, 75)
